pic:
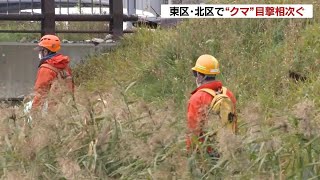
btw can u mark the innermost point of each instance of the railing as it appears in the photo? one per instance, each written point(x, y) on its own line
point(11, 11)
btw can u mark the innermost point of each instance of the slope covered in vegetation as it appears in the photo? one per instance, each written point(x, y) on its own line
point(129, 120)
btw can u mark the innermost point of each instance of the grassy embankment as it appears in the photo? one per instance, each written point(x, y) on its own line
point(137, 131)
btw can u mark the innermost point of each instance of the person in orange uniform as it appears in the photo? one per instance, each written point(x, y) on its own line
point(205, 71)
point(52, 66)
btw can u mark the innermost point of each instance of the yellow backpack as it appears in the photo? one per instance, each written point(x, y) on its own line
point(222, 106)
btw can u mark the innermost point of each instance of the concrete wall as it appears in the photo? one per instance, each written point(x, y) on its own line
point(18, 65)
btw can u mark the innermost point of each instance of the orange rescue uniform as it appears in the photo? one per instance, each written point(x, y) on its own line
point(45, 77)
point(198, 105)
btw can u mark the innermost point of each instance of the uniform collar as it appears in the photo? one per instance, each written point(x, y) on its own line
point(214, 85)
point(44, 59)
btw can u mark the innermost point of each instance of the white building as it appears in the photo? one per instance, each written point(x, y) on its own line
point(153, 6)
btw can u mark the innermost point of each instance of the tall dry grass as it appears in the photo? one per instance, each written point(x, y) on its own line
point(129, 118)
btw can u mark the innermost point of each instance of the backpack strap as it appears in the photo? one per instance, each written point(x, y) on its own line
point(56, 70)
point(61, 73)
point(214, 94)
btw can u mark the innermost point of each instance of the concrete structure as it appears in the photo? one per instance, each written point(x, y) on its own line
point(18, 65)
point(153, 6)
point(12, 6)
point(18, 62)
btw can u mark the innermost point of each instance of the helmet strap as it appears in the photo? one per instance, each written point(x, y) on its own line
point(200, 82)
point(203, 79)
point(41, 53)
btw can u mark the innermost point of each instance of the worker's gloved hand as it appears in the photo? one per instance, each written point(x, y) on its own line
point(27, 110)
